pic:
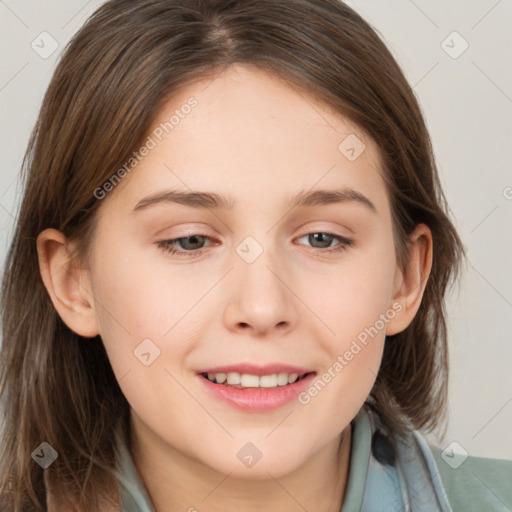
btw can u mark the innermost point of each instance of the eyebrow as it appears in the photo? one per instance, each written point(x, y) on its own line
point(212, 200)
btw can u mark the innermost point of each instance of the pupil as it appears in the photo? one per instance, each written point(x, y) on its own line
point(321, 235)
point(184, 241)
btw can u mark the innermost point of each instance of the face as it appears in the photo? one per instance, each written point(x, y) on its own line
point(260, 290)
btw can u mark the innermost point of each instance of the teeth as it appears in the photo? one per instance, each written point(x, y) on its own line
point(246, 380)
point(233, 378)
point(269, 381)
point(282, 379)
point(219, 377)
point(249, 381)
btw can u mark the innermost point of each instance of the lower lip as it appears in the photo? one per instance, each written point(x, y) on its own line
point(258, 399)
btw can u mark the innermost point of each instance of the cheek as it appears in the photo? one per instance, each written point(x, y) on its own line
point(141, 313)
point(141, 292)
point(355, 302)
point(351, 296)
point(135, 302)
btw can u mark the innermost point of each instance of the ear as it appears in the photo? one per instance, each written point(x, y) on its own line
point(67, 284)
point(409, 284)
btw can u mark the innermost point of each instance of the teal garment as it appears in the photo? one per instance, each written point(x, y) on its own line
point(479, 484)
point(133, 493)
point(411, 475)
point(385, 476)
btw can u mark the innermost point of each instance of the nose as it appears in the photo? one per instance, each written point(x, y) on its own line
point(260, 300)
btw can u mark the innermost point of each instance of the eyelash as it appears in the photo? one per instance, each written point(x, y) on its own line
point(167, 245)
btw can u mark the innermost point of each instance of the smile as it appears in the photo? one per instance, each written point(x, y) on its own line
point(247, 380)
point(252, 388)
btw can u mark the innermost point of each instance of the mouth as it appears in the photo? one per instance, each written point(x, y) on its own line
point(256, 389)
point(252, 381)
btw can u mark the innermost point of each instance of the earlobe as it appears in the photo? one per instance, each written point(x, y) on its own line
point(66, 283)
point(411, 282)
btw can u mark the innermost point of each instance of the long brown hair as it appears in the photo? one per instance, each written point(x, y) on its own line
point(115, 74)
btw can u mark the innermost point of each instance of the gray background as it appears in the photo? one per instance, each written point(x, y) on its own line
point(467, 101)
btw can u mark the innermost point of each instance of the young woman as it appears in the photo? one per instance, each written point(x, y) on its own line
point(226, 286)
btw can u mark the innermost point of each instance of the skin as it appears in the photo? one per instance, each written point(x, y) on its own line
point(261, 141)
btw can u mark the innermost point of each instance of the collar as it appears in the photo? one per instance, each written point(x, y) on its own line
point(384, 474)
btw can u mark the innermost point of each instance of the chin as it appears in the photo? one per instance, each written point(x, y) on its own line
point(251, 463)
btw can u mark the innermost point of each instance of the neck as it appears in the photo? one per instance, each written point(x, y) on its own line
point(173, 478)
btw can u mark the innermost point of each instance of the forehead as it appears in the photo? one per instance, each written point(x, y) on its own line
point(253, 137)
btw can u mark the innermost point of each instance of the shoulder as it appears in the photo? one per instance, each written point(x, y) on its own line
point(474, 483)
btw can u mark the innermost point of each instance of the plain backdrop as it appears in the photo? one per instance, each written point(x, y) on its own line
point(457, 55)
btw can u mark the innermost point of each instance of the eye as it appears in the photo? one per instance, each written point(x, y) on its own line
point(194, 244)
point(325, 240)
point(190, 243)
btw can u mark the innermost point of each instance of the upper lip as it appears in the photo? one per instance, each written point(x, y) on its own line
point(268, 369)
